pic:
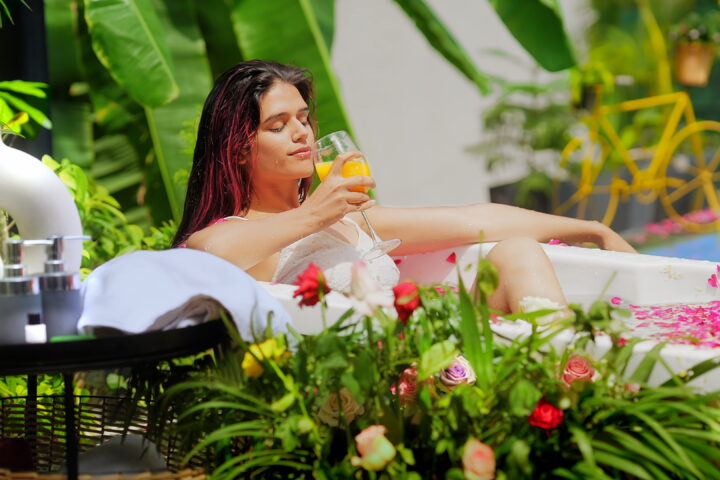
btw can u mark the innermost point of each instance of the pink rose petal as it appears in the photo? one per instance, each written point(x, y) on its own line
point(616, 300)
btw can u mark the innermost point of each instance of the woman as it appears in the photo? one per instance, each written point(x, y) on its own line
point(248, 201)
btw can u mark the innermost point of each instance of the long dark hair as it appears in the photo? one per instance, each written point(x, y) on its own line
point(220, 182)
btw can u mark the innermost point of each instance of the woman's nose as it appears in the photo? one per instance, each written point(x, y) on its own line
point(300, 132)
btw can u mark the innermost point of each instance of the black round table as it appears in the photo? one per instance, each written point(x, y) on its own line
point(69, 357)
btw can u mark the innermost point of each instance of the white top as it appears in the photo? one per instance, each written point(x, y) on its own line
point(335, 257)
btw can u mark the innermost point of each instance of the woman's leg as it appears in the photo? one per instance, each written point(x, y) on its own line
point(525, 271)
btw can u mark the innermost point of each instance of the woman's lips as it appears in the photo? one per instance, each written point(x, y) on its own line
point(302, 152)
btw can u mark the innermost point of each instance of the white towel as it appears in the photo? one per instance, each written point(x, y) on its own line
point(168, 289)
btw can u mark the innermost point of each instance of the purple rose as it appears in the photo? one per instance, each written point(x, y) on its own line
point(458, 373)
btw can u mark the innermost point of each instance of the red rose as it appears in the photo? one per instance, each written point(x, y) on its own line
point(311, 286)
point(545, 415)
point(407, 299)
point(577, 368)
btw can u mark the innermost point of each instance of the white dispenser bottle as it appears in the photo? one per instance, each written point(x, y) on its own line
point(19, 295)
point(60, 290)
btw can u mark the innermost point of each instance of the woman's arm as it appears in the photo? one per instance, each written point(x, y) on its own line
point(425, 229)
point(246, 243)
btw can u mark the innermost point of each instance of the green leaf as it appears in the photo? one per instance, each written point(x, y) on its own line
point(644, 369)
point(34, 89)
point(325, 14)
point(523, 397)
point(438, 356)
point(288, 31)
point(173, 151)
point(470, 334)
point(538, 26)
point(215, 23)
point(72, 120)
point(622, 464)
point(443, 41)
point(23, 106)
point(284, 403)
point(129, 41)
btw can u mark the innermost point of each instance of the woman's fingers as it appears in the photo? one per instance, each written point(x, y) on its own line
point(341, 159)
point(359, 181)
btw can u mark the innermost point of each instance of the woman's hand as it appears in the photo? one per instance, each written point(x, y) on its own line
point(333, 198)
point(610, 240)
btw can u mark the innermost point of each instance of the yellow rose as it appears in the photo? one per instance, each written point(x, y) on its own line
point(267, 349)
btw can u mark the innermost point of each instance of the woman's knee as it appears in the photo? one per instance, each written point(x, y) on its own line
point(514, 247)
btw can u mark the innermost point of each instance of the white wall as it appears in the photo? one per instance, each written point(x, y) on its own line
point(414, 115)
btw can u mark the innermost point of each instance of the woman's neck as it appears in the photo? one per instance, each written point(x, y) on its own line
point(274, 198)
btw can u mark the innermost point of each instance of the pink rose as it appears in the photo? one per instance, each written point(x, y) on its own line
point(458, 373)
point(633, 388)
point(478, 460)
point(375, 450)
point(577, 368)
point(407, 386)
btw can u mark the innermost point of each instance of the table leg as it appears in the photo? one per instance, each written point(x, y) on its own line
point(71, 440)
point(31, 415)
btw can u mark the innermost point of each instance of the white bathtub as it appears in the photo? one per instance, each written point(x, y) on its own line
point(584, 274)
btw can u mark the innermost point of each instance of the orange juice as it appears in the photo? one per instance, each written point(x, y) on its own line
point(350, 169)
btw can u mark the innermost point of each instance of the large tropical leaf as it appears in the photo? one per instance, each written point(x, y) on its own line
point(129, 40)
point(537, 25)
point(443, 41)
point(221, 44)
point(72, 130)
point(172, 126)
point(288, 31)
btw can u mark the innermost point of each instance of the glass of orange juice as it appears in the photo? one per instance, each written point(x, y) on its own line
point(328, 148)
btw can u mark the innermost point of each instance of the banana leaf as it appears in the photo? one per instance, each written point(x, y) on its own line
point(221, 44)
point(538, 26)
point(72, 130)
point(288, 31)
point(443, 41)
point(129, 41)
point(173, 126)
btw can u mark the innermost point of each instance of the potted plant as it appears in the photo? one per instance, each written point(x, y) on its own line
point(434, 392)
point(588, 82)
point(695, 39)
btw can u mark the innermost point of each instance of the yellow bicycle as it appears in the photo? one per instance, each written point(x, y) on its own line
point(680, 168)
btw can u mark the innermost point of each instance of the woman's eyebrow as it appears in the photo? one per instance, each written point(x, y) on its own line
point(284, 114)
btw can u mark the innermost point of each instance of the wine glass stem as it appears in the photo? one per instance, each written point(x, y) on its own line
point(373, 234)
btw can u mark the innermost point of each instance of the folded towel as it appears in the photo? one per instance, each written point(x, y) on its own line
point(168, 289)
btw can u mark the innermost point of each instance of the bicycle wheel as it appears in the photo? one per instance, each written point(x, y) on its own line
point(594, 192)
point(690, 177)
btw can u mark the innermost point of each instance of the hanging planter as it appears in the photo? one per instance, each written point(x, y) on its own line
point(693, 63)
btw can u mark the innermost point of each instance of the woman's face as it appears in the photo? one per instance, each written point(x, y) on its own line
point(284, 136)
